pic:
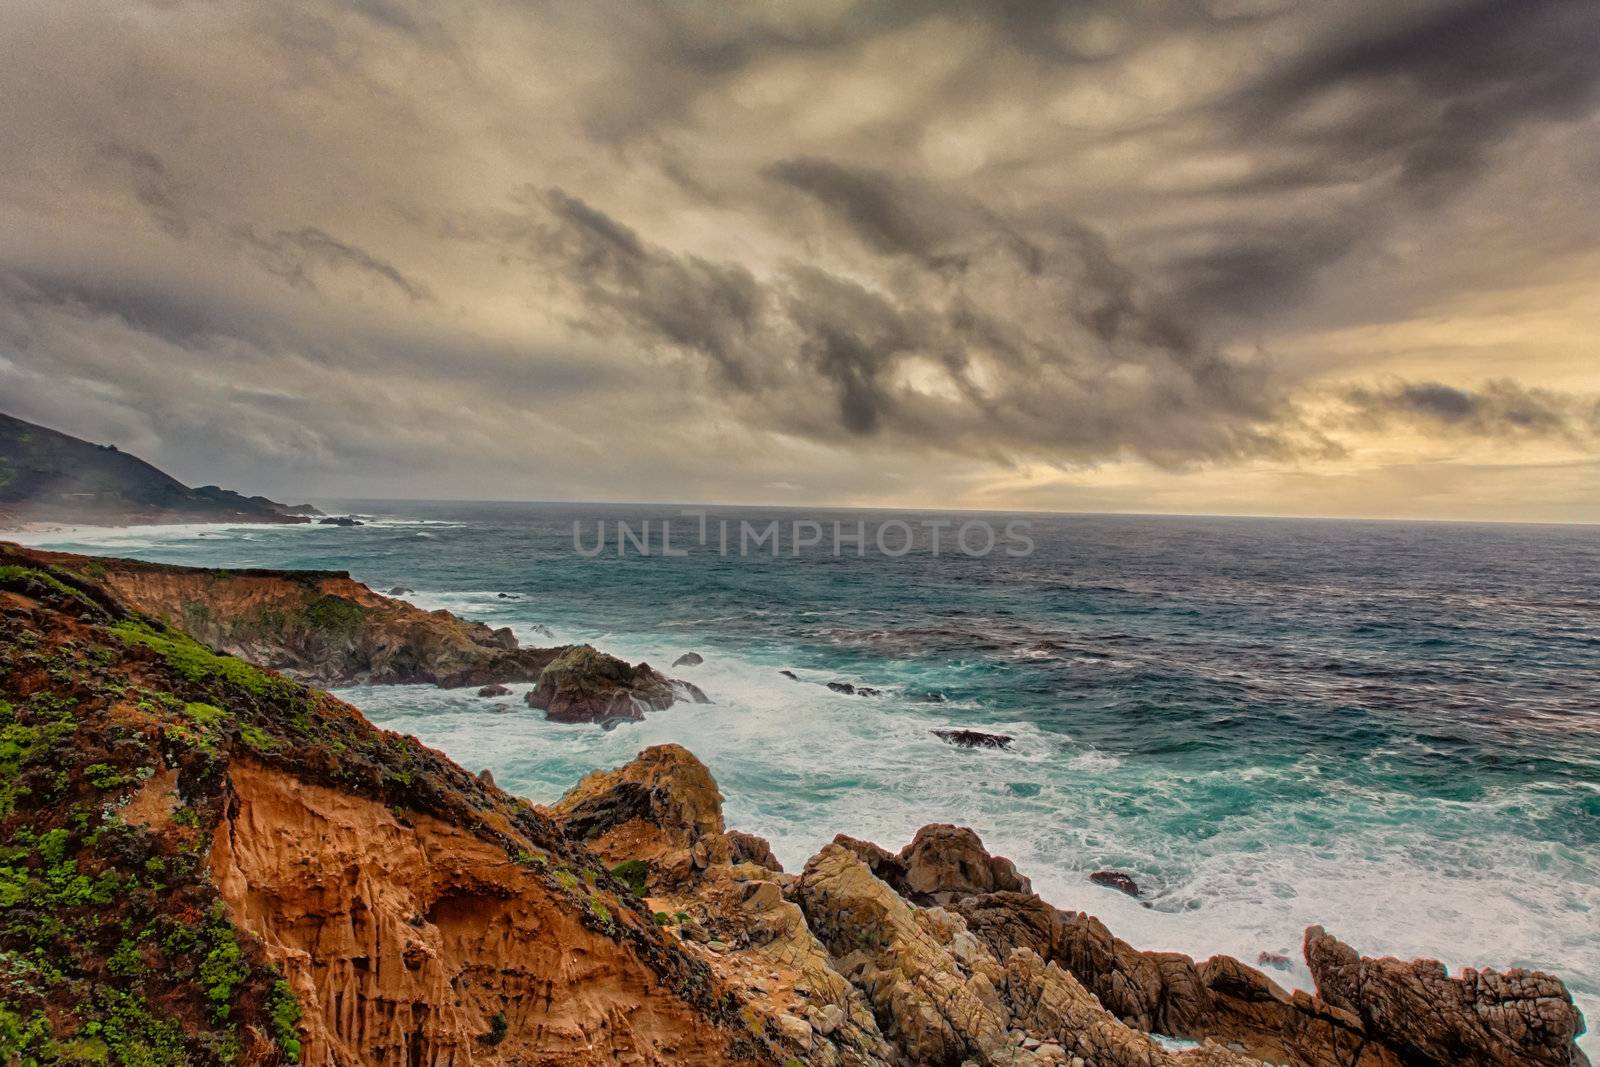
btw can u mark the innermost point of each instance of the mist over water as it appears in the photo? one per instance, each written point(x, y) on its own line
point(1392, 729)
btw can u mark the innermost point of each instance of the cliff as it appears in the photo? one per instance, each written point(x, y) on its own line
point(321, 627)
point(204, 862)
point(48, 476)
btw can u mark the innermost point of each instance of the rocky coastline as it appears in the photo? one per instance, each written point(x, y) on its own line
point(327, 629)
point(206, 862)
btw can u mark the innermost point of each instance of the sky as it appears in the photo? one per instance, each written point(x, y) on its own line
point(1297, 257)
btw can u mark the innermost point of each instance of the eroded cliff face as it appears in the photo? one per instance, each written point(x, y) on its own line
point(412, 942)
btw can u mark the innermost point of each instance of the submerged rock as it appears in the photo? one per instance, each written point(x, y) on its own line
point(793, 677)
point(974, 738)
point(689, 659)
point(494, 691)
point(842, 687)
point(401, 590)
point(1122, 883)
point(340, 520)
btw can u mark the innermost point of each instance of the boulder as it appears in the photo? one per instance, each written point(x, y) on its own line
point(793, 677)
point(494, 691)
point(341, 520)
point(974, 739)
point(1122, 883)
point(1483, 1018)
point(665, 788)
point(842, 687)
point(944, 863)
point(585, 685)
point(401, 590)
point(689, 659)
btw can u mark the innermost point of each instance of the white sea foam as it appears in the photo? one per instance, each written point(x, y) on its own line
point(66, 538)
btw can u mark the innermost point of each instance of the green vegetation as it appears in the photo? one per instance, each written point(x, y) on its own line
point(598, 909)
point(662, 919)
point(198, 663)
point(498, 1028)
point(283, 1009)
point(38, 582)
point(335, 615)
point(634, 874)
point(566, 878)
point(207, 715)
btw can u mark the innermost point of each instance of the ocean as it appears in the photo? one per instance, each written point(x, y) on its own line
point(1391, 729)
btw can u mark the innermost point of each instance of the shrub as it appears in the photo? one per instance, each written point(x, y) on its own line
point(634, 874)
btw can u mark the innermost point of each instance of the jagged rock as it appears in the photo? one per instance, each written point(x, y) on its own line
point(341, 520)
point(1122, 883)
point(1168, 993)
point(689, 659)
point(793, 677)
point(974, 738)
point(932, 986)
point(665, 793)
point(944, 863)
point(749, 848)
point(494, 691)
point(1483, 1018)
point(1047, 1000)
point(842, 687)
point(584, 685)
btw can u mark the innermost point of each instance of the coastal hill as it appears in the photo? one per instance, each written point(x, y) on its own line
point(48, 476)
point(205, 862)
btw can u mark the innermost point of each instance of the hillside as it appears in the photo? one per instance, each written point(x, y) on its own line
point(204, 862)
point(47, 476)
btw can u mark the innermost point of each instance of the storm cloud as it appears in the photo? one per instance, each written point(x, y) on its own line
point(960, 253)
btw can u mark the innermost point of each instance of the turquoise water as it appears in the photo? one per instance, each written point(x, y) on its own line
point(1391, 729)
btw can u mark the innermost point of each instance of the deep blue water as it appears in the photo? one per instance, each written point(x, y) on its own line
point(1389, 728)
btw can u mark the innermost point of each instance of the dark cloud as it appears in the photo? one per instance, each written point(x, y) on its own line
point(971, 338)
point(297, 256)
point(1437, 91)
point(1501, 409)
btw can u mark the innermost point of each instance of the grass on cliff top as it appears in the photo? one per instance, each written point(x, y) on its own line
point(198, 663)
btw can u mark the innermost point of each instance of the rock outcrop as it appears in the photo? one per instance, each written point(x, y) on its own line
point(946, 956)
point(1480, 1019)
point(585, 685)
point(321, 627)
